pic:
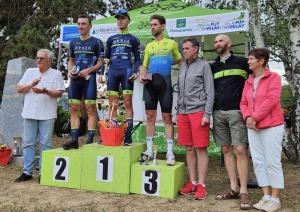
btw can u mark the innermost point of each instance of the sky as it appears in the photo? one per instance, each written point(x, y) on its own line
point(276, 67)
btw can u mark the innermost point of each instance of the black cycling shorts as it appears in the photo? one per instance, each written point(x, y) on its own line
point(81, 86)
point(159, 89)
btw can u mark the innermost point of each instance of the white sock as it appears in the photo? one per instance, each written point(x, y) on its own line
point(194, 182)
point(170, 146)
point(274, 199)
point(202, 185)
point(149, 141)
point(267, 196)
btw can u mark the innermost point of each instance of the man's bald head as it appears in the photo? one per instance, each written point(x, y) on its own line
point(222, 44)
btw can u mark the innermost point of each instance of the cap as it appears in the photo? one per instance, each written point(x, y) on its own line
point(123, 13)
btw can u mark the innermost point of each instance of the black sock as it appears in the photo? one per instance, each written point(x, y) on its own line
point(91, 134)
point(74, 133)
point(129, 128)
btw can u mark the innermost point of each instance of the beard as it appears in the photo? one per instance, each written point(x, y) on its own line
point(156, 33)
point(224, 49)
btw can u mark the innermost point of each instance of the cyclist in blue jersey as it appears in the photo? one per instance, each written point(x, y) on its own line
point(158, 59)
point(119, 49)
point(85, 58)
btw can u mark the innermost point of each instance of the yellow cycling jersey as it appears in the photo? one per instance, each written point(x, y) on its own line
point(159, 56)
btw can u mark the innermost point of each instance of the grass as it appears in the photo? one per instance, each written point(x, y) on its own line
point(30, 196)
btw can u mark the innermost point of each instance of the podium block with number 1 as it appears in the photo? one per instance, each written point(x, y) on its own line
point(107, 168)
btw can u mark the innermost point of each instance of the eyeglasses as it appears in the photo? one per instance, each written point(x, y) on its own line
point(40, 58)
point(122, 11)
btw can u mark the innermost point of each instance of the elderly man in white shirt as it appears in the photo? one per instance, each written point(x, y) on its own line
point(41, 87)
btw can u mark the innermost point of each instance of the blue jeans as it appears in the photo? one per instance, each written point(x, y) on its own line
point(33, 128)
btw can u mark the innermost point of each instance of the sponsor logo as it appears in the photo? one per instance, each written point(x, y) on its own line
point(180, 23)
point(181, 30)
point(235, 23)
point(208, 24)
point(69, 33)
point(107, 30)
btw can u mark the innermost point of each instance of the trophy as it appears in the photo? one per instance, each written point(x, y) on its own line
point(106, 61)
point(16, 150)
point(75, 71)
point(154, 162)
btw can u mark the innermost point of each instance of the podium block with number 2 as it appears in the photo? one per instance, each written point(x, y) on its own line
point(61, 168)
point(107, 168)
point(157, 180)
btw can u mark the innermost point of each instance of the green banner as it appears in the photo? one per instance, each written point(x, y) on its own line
point(159, 139)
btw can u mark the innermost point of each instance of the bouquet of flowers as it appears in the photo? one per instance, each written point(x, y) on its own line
point(114, 122)
point(118, 122)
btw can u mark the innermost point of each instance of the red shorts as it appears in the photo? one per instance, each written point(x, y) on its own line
point(190, 131)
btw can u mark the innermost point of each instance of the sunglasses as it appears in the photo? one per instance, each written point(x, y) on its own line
point(121, 11)
point(40, 58)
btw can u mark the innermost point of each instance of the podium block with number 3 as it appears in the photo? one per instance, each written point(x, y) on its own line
point(107, 168)
point(157, 180)
point(61, 168)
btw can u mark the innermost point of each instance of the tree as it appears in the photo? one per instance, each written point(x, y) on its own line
point(276, 25)
point(28, 25)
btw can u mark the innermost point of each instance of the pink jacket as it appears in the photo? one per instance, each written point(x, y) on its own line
point(266, 108)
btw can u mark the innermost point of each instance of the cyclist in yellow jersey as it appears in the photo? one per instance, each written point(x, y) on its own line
point(158, 59)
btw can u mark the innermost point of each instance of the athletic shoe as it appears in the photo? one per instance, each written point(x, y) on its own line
point(260, 204)
point(271, 206)
point(200, 192)
point(23, 177)
point(189, 188)
point(127, 141)
point(70, 145)
point(89, 142)
point(100, 142)
point(170, 159)
point(145, 158)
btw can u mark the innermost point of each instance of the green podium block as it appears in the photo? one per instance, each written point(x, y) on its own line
point(157, 180)
point(61, 168)
point(107, 168)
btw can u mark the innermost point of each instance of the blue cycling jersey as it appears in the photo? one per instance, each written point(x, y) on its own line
point(119, 49)
point(86, 52)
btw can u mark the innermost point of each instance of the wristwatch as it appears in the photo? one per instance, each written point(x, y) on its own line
point(46, 92)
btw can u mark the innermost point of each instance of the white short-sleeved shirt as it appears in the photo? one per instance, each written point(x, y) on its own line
point(41, 106)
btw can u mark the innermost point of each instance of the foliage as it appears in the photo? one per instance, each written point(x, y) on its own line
point(29, 25)
point(287, 99)
point(62, 115)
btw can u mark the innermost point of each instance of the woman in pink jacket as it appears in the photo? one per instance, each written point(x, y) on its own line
point(260, 107)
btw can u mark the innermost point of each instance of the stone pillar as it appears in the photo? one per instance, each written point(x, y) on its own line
point(11, 121)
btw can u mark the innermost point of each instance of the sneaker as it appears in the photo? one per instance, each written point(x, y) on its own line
point(260, 204)
point(127, 141)
point(200, 192)
point(100, 142)
point(70, 145)
point(89, 142)
point(23, 177)
point(145, 158)
point(271, 206)
point(189, 188)
point(170, 159)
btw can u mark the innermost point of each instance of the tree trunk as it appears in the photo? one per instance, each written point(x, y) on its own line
point(294, 26)
point(256, 25)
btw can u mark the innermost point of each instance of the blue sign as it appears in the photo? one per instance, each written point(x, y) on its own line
point(69, 32)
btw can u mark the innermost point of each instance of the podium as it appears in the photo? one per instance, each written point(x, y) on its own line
point(61, 168)
point(157, 180)
point(107, 168)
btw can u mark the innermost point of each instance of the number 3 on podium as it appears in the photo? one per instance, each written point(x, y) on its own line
point(105, 167)
point(61, 169)
point(151, 182)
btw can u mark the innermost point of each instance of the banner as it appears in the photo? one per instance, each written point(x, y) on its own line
point(160, 139)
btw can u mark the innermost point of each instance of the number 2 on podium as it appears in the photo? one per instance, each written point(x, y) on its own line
point(61, 169)
point(105, 167)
